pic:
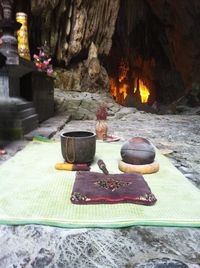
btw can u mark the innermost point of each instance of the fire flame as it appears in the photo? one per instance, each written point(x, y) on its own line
point(144, 91)
point(119, 87)
point(113, 88)
point(123, 90)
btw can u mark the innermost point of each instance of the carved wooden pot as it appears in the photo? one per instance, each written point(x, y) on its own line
point(101, 129)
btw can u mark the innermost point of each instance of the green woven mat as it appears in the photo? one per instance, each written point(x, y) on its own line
point(32, 191)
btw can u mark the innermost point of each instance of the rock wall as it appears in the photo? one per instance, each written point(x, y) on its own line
point(181, 26)
point(163, 36)
point(71, 26)
point(88, 75)
point(163, 29)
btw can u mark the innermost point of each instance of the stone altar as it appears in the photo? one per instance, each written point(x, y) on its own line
point(17, 116)
point(38, 88)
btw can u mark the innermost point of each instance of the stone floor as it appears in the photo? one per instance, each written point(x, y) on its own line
point(138, 247)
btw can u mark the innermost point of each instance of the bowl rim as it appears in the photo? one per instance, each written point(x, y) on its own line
point(78, 131)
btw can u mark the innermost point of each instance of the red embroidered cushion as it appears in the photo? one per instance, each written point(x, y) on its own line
point(94, 188)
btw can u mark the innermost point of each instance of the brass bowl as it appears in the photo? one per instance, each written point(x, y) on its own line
point(78, 146)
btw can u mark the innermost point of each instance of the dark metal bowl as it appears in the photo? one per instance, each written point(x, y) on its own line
point(78, 146)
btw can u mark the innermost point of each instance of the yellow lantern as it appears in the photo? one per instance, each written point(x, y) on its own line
point(22, 36)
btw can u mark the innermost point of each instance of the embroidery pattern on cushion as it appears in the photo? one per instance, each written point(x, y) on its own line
point(111, 184)
point(77, 197)
point(147, 197)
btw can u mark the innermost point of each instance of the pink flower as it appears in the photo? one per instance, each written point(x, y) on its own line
point(41, 53)
point(42, 61)
point(46, 62)
point(35, 56)
point(49, 71)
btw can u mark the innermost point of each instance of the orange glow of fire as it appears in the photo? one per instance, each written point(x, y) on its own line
point(144, 92)
point(123, 90)
point(113, 88)
point(119, 87)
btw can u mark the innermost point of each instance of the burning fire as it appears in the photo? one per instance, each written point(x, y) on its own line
point(123, 90)
point(144, 91)
point(113, 88)
point(119, 87)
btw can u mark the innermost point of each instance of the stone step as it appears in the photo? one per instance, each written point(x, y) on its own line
point(29, 123)
point(17, 117)
point(49, 127)
point(27, 112)
point(7, 115)
point(15, 107)
point(24, 105)
point(13, 118)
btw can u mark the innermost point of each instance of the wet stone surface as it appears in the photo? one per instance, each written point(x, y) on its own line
point(138, 247)
point(148, 247)
point(162, 263)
